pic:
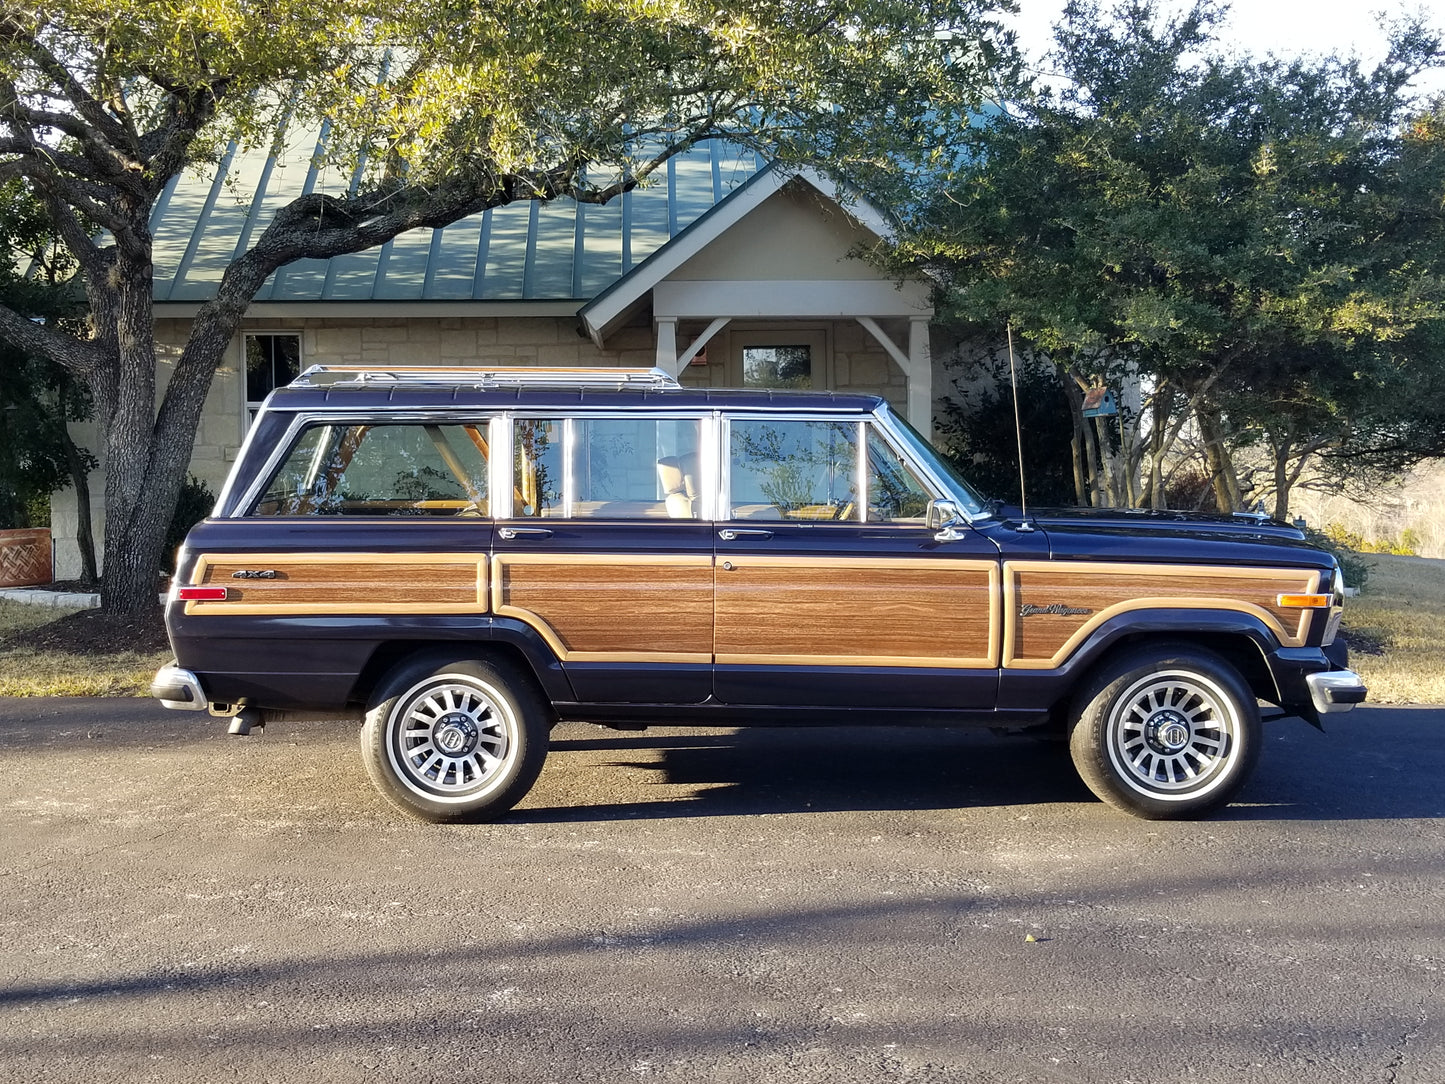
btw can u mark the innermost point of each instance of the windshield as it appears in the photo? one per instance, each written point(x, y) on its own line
point(969, 502)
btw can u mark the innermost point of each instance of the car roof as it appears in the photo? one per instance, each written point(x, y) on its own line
point(399, 397)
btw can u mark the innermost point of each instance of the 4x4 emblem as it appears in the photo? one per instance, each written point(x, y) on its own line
point(1058, 609)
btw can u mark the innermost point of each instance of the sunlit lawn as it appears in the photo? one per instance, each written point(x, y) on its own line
point(1402, 606)
point(28, 671)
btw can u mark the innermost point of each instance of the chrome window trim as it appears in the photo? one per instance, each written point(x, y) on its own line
point(714, 485)
point(507, 420)
point(499, 467)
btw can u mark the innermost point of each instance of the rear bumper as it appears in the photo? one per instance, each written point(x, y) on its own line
point(179, 689)
point(1335, 690)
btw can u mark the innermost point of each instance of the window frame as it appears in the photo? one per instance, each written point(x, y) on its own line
point(251, 407)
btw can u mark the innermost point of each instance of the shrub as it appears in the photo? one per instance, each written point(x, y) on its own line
point(1336, 540)
point(193, 505)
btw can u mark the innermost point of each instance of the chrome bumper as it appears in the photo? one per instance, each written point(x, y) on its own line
point(177, 688)
point(1335, 690)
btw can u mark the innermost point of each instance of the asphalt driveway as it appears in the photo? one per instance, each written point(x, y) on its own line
point(756, 906)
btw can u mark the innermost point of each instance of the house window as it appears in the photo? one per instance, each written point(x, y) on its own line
point(788, 366)
point(794, 357)
point(272, 361)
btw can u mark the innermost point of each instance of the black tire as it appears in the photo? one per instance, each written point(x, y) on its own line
point(1166, 733)
point(475, 744)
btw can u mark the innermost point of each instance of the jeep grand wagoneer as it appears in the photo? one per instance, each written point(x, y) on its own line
point(470, 556)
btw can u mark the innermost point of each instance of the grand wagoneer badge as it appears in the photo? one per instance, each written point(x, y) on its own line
point(1057, 609)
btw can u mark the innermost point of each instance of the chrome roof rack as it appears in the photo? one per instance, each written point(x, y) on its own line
point(506, 376)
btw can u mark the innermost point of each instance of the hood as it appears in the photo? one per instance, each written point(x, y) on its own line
point(1122, 534)
point(1252, 525)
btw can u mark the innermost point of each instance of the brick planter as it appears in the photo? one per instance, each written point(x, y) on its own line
point(25, 557)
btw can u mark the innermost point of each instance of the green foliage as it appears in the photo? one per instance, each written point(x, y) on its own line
point(195, 504)
point(37, 397)
point(1263, 236)
point(977, 433)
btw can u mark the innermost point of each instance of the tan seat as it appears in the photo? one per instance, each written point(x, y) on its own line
point(677, 475)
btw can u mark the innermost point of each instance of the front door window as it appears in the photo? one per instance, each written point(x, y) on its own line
point(789, 366)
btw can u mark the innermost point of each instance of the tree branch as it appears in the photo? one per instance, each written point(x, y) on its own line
point(78, 357)
point(76, 92)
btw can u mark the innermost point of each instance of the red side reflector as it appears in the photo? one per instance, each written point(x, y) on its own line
point(201, 594)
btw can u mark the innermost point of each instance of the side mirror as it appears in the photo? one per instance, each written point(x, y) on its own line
point(945, 519)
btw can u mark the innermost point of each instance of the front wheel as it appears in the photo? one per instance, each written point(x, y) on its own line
point(1166, 734)
point(455, 740)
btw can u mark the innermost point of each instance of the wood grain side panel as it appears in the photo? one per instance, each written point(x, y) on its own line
point(857, 611)
point(611, 608)
point(1035, 640)
point(344, 583)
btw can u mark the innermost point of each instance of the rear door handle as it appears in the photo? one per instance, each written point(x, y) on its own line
point(733, 534)
point(510, 534)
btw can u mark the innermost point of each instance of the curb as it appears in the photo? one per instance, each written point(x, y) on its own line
point(35, 596)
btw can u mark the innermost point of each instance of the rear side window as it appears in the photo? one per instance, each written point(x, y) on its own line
point(606, 468)
point(413, 469)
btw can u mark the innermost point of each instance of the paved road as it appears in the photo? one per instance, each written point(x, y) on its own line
point(794, 906)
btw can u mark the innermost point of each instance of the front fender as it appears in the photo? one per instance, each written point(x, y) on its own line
point(1244, 639)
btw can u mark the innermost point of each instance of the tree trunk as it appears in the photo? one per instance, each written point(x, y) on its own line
point(1083, 465)
point(138, 499)
point(84, 535)
point(1222, 477)
point(1282, 483)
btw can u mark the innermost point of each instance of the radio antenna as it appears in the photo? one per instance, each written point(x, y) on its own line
point(1013, 377)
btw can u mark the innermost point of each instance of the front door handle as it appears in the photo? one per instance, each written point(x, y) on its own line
point(732, 534)
point(510, 534)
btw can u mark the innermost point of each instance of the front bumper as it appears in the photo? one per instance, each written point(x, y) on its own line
point(1335, 690)
point(1314, 682)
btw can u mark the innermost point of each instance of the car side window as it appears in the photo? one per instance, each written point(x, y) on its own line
point(793, 469)
point(607, 468)
point(895, 492)
point(420, 469)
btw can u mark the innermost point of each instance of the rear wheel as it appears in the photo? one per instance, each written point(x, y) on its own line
point(455, 740)
point(1166, 733)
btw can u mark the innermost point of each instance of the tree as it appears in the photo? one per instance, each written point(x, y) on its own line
point(449, 108)
point(38, 397)
point(1249, 241)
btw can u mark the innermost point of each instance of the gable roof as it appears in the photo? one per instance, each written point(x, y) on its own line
point(526, 252)
point(616, 302)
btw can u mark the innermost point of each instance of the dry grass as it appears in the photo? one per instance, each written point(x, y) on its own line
point(31, 669)
point(1402, 608)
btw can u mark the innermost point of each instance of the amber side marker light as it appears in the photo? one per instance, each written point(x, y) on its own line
point(201, 594)
point(1305, 602)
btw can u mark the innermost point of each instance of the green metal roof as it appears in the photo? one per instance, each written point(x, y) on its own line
point(524, 251)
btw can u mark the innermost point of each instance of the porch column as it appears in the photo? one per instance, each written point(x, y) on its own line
point(667, 344)
point(920, 376)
